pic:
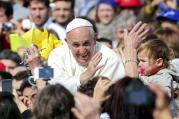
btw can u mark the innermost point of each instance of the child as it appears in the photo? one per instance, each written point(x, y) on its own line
point(154, 56)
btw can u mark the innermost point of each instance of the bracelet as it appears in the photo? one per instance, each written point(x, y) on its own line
point(126, 61)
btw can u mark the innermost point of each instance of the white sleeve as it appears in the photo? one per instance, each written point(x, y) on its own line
point(61, 75)
point(113, 69)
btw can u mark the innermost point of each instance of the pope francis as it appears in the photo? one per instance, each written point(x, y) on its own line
point(83, 58)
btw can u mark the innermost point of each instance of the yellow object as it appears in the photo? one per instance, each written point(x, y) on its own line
point(17, 41)
point(44, 40)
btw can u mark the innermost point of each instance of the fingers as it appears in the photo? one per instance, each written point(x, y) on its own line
point(136, 27)
point(158, 90)
point(91, 110)
point(105, 84)
point(94, 63)
point(143, 34)
point(77, 113)
point(141, 28)
point(125, 33)
point(33, 50)
point(41, 84)
point(97, 58)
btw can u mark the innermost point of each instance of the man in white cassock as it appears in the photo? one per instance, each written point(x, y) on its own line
point(83, 58)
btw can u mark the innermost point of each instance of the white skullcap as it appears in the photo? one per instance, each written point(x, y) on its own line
point(77, 22)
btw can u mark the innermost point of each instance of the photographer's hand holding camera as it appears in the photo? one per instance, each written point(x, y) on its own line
point(35, 61)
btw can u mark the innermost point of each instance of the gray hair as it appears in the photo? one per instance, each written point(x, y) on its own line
point(123, 19)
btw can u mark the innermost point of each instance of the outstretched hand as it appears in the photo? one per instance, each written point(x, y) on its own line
point(33, 58)
point(162, 110)
point(92, 67)
point(85, 107)
point(131, 41)
point(100, 90)
point(133, 38)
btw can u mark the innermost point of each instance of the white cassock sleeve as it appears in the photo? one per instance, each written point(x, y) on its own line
point(114, 69)
point(57, 62)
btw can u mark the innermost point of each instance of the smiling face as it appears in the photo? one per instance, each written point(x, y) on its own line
point(81, 42)
point(105, 13)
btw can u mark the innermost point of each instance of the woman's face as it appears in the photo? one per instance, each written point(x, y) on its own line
point(105, 13)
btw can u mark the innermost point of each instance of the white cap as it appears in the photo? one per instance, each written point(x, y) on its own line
point(77, 22)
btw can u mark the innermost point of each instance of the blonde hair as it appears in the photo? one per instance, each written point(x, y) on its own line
point(155, 49)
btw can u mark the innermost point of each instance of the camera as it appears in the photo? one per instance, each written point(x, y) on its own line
point(45, 73)
point(7, 26)
point(7, 85)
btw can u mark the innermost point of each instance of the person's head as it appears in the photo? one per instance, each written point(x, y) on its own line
point(81, 40)
point(88, 88)
point(53, 102)
point(10, 59)
point(105, 42)
point(29, 92)
point(5, 75)
point(18, 78)
point(153, 55)
point(105, 11)
point(131, 99)
point(63, 11)
point(6, 11)
point(8, 107)
point(171, 38)
point(124, 21)
point(39, 11)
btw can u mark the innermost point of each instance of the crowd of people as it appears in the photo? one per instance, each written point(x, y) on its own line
point(89, 59)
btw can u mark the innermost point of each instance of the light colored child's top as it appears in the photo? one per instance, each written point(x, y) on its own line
point(164, 78)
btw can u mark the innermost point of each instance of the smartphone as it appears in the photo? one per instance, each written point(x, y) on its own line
point(45, 73)
point(7, 85)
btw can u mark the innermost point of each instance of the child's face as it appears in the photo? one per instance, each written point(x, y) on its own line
point(147, 66)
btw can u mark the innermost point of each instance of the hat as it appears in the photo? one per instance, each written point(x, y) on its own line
point(112, 3)
point(129, 3)
point(77, 22)
point(169, 14)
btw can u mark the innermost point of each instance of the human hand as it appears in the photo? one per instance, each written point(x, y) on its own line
point(22, 107)
point(33, 58)
point(133, 38)
point(100, 90)
point(41, 84)
point(92, 67)
point(85, 107)
point(161, 96)
point(17, 27)
point(162, 110)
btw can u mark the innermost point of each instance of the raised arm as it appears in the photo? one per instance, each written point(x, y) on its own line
point(131, 41)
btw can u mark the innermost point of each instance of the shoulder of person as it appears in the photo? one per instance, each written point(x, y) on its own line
point(107, 52)
point(60, 51)
point(55, 26)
